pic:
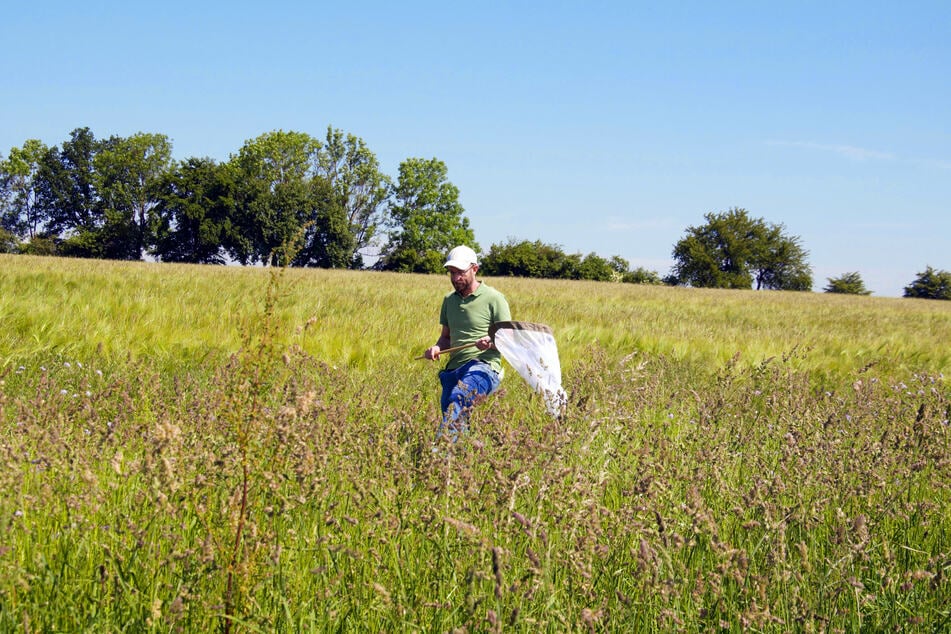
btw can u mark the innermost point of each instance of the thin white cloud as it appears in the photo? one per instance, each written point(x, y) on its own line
point(848, 151)
point(863, 154)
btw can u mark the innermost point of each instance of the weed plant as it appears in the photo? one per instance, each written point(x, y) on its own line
point(251, 450)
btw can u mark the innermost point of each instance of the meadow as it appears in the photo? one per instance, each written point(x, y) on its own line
point(192, 449)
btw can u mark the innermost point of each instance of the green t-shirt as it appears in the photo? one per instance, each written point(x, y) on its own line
point(469, 319)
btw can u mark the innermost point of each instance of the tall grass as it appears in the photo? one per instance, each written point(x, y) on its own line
point(184, 313)
point(192, 449)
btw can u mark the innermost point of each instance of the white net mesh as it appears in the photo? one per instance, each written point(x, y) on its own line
point(532, 351)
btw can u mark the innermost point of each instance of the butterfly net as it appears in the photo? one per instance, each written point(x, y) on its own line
point(532, 351)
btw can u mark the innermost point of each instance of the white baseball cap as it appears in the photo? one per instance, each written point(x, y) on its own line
point(462, 257)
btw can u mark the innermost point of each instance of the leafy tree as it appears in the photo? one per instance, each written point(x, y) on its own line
point(716, 254)
point(591, 267)
point(328, 240)
point(128, 171)
point(619, 264)
point(537, 259)
point(358, 186)
point(930, 284)
point(779, 261)
point(192, 217)
point(427, 219)
point(848, 284)
point(272, 169)
point(641, 275)
point(280, 197)
point(524, 259)
point(20, 214)
point(66, 194)
point(732, 250)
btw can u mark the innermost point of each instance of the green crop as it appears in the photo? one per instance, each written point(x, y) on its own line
point(193, 449)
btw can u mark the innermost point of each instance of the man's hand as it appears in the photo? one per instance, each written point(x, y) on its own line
point(485, 343)
point(432, 353)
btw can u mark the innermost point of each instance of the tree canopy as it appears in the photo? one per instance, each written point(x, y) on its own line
point(427, 219)
point(848, 284)
point(537, 259)
point(127, 198)
point(734, 250)
point(194, 213)
point(930, 284)
point(359, 188)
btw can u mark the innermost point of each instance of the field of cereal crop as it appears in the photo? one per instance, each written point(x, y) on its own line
point(196, 448)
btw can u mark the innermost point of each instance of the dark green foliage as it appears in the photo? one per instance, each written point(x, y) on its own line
point(196, 202)
point(282, 195)
point(524, 259)
point(66, 193)
point(537, 259)
point(128, 171)
point(8, 241)
point(427, 219)
point(528, 259)
point(593, 267)
point(19, 209)
point(930, 284)
point(732, 250)
point(40, 245)
point(641, 275)
point(848, 284)
point(360, 188)
point(123, 197)
point(328, 239)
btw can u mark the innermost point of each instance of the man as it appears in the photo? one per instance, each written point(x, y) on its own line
point(466, 314)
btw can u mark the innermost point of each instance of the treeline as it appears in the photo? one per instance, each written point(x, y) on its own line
point(289, 198)
point(537, 259)
point(125, 198)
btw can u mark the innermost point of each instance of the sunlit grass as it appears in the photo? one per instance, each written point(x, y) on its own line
point(364, 319)
point(181, 453)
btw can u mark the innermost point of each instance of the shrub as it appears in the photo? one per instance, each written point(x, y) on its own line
point(848, 284)
point(930, 284)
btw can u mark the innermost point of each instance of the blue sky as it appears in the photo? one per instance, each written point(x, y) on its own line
point(605, 127)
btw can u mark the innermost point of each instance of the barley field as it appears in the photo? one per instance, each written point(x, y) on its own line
point(195, 449)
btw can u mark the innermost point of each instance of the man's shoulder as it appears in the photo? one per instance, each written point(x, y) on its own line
point(490, 290)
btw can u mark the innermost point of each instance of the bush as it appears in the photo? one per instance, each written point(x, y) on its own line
point(930, 284)
point(641, 275)
point(848, 284)
point(8, 242)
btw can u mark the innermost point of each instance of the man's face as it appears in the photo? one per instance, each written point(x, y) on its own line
point(463, 279)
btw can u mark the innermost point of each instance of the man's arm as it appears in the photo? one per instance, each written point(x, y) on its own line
point(443, 342)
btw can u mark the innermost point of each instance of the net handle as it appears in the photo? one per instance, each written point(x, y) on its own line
point(448, 350)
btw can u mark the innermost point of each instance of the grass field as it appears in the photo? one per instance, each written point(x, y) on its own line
point(205, 448)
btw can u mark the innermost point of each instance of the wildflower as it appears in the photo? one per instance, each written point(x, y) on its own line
point(67, 365)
